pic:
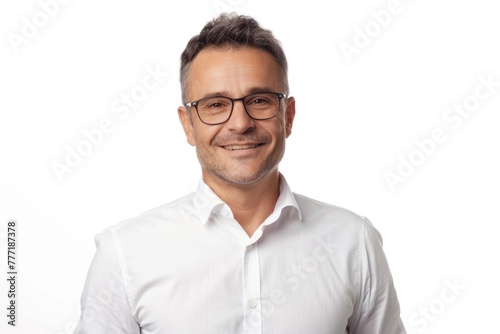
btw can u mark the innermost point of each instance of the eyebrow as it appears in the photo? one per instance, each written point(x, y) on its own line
point(252, 90)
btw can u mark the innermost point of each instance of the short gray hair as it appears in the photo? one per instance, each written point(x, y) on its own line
point(228, 31)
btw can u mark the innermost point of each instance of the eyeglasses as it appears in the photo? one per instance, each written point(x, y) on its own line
point(218, 109)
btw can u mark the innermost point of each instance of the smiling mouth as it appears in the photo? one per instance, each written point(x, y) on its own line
point(240, 147)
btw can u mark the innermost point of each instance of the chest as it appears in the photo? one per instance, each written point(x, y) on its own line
point(267, 288)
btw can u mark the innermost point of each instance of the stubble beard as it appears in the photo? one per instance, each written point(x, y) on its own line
point(223, 172)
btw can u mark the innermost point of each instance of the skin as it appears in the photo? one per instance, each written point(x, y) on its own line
point(239, 158)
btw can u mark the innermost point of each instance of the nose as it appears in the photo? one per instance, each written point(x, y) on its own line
point(240, 121)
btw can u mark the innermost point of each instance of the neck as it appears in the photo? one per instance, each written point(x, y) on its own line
point(250, 204)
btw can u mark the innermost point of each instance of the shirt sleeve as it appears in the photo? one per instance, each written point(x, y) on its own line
point(377, 310)
point(105, 305)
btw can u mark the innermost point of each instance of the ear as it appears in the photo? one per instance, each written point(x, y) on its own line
point(187, 124)
point(289, 115)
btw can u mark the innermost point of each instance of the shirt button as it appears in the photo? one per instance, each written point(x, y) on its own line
point(252, 303)
point(249, 248)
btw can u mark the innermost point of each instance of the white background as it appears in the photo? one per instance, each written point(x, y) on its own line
point(354, 120)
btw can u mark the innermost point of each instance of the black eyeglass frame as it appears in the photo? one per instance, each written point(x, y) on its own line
point(242, 99)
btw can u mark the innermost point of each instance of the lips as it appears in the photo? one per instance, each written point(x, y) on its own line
point(239, 147)
point(241, 143)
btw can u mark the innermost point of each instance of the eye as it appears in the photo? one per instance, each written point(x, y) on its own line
point(259, 100)
point(215, 104)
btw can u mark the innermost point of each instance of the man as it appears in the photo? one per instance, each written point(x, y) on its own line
point(242, 254)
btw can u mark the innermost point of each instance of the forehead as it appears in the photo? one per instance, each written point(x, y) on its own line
point(234, 71)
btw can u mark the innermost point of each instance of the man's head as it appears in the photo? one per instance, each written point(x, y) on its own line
point(234, 59)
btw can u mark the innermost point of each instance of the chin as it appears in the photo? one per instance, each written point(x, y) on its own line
point(242, 179)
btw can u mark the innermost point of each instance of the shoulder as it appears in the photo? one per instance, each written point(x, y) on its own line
point(149, 222)
point(329, 218)
point(312, 209)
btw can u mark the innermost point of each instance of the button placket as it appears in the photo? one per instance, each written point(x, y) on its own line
point(251, 293)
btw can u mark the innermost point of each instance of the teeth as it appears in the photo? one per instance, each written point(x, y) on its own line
point(240, 147)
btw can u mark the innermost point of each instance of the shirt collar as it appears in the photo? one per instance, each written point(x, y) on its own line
point(205, 202)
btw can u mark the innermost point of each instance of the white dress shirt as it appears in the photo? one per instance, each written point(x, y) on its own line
point(189, 268)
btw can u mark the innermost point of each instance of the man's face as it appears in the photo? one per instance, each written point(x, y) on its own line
point(242, 150)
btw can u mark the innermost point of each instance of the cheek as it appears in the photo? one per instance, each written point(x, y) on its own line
point(281, 129)
point(203, 135)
